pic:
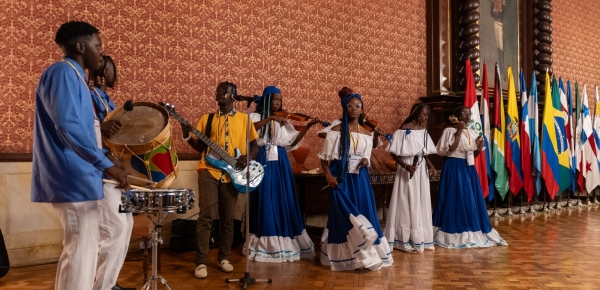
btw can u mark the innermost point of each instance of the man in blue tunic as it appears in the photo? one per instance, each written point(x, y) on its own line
point(68, 161)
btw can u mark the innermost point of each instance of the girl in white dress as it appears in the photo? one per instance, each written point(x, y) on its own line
point(353, 238)
point(408, 226)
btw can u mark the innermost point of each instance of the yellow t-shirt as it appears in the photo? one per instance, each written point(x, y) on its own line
point(236, 138)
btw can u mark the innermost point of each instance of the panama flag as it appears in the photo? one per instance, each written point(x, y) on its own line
point(597, 124)
point(525, 140)
point(589, 164)
point(555, 156)
point(578, 140)
point(513, 143)
point(475, 124)
point(498, 129)
point(534, 125)
point(485, 123)
point(564, 104)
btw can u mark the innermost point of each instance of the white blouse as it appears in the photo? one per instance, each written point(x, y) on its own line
point(410, 143)
point(330, 150)
point(466, 143)
point(282, 136)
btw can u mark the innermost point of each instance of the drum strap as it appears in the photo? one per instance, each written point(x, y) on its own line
point(208, 129)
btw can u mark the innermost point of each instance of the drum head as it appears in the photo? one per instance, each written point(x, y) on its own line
point(140, 125)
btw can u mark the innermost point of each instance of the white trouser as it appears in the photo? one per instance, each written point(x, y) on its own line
point(115, 232)
point(77, 263)
point(499, 31)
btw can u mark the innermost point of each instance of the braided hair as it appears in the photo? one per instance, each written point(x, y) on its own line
point(96, 77)
point(345, 130)
point(415, 111)
point(263, 107)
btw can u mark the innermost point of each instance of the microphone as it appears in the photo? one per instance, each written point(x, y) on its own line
point(244, 98)
point(415, 160)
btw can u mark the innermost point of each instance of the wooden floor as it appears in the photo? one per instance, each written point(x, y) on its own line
point(559, 250)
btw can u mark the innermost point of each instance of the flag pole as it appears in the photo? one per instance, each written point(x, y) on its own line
point(578, 202)
point(587, 200)
point(569, 199)
point(556, 205)
point(521, 211)
point(509, 210)
point(595, 199)
point(495, 213)
point(545, 208)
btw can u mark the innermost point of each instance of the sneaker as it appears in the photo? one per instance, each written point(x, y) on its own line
point(201, 272)
point(226, 266)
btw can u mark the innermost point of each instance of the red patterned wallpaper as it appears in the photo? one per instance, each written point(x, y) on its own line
point(177, 51)
point(576, 40)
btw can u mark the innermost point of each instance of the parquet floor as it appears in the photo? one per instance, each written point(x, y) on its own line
point(559, 250)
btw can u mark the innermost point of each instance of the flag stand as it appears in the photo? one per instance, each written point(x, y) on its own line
point(569, 200)
point(587, 199)
point(595, 199)
point(521, 211)
point(544, 207)
point(531, 210)
point(509, 210)
point(578, 202)
point(556, 205)
point(495, 213)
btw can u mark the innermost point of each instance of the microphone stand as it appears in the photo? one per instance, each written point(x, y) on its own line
point(247, 280)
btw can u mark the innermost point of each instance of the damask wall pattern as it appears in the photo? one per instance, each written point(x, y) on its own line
point(576, 40)
point(177, 51)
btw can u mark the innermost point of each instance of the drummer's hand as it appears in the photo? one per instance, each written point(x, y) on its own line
point(363, 162)
point(186, 129)
point(241, 162)
point(119, 175)
point(115, 160)
point(110, 127)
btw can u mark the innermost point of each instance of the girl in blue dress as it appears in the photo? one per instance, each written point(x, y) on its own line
point(460, 219)
point(353, 238)
point(277, 231)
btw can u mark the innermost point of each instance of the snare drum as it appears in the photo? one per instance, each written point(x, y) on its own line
point(144, 144)
point(177, 200)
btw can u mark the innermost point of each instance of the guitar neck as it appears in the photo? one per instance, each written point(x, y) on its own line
point(206, 140)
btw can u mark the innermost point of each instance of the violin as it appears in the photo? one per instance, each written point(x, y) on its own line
point(370, 125)
point(297, 117)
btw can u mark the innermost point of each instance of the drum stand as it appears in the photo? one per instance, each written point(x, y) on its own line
point(247, 280)
point(161, 215)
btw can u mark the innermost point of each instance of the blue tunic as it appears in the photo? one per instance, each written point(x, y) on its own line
point(67, 163)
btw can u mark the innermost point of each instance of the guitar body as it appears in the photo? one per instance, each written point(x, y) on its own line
point(238, 177)
point(227, 162)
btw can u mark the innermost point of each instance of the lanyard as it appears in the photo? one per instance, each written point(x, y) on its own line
point(355, 142)
point(468, 136)
point(105, 104)
point(84, 83)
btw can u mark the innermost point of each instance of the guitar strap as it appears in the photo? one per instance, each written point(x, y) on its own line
point(208, 129)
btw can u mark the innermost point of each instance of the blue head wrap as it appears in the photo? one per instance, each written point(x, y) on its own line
point(263, 105)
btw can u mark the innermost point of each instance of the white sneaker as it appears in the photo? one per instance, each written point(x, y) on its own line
point(226, 266)
point(201, 272)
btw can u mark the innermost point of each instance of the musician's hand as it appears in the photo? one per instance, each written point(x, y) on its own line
point(119, 175)
point(479, 142)
point(280, 119)
point(115, 160)
point(110, 127)
point(411, 169)
point(460, 125)
point(363, 162)
point(313, 121)
point(331, 181)
point(432, 172)
point(241, 162)
point(186, 129)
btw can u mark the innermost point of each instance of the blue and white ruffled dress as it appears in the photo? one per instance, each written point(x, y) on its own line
point(353, 238)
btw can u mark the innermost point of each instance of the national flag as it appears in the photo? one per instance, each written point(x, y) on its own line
point(597, 124)
point(564, 104)
point(525, 140)
point(534, 125)
point(589, 162)
point(475, 124)
point(571, 135)
point(485, 123)
point(513, 144)
point(555, 156)
point(578, 140)
point(498, 130)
